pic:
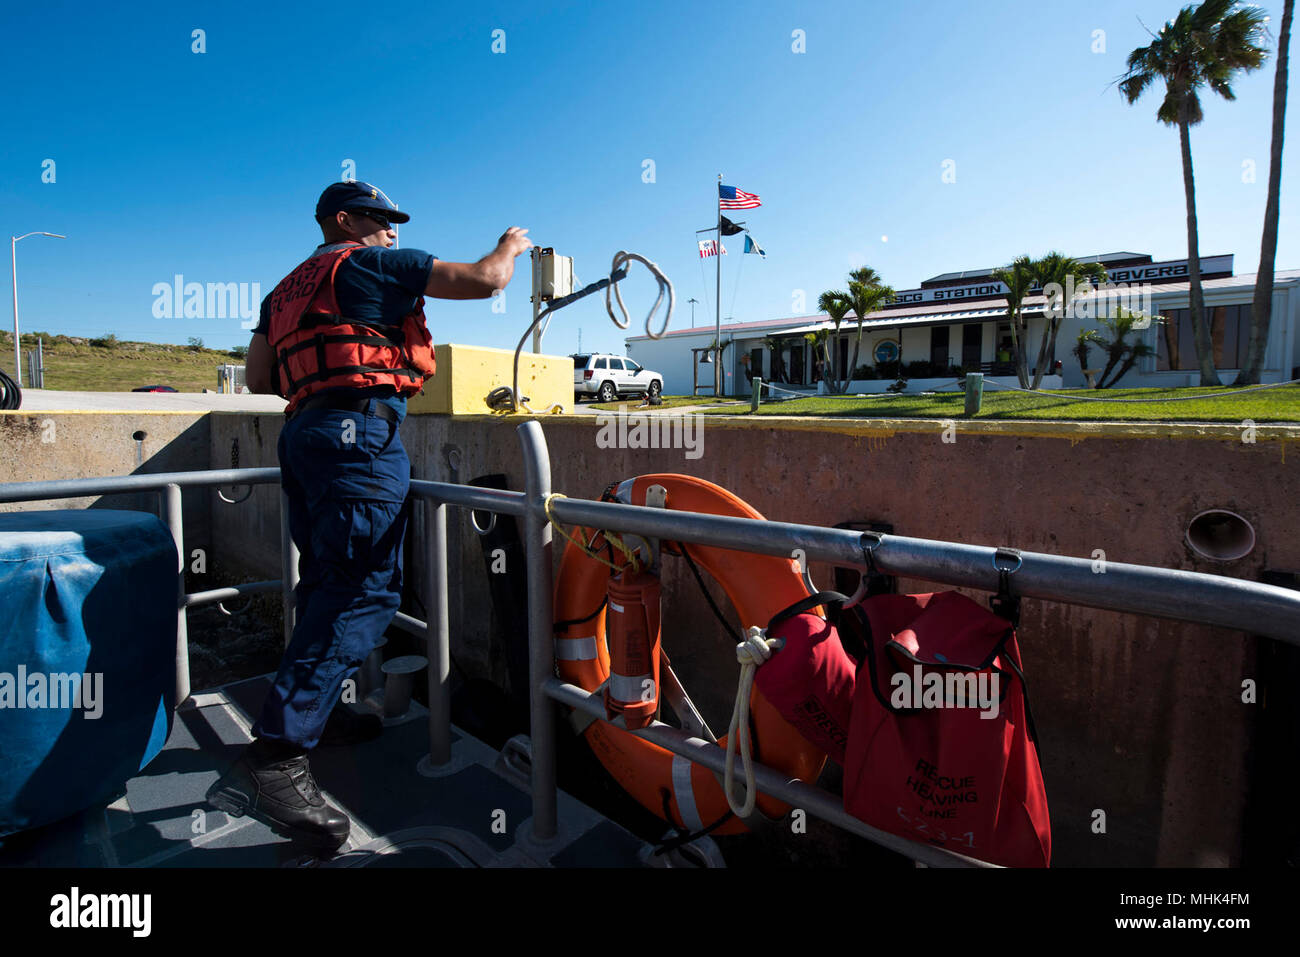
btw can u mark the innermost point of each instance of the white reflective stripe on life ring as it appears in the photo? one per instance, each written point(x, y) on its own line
point(632, 687)
point(576, 649)
point(684, 795)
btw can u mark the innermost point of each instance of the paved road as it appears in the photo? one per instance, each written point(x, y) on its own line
point(47, 400)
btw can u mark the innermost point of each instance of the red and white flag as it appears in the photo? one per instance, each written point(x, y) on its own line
point(709, 247)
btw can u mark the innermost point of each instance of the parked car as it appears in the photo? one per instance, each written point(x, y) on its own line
point(607, 376)
point(154, 388)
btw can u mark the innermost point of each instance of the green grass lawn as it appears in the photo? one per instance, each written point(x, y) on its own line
point(1279, 404)
point(81, 367)
point(669, 402)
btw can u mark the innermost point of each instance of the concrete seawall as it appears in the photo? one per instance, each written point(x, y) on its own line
point(1140, 718)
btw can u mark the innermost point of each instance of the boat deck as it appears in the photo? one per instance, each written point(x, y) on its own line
point(473, 812)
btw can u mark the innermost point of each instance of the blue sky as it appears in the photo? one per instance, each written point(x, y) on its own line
point(208, 164)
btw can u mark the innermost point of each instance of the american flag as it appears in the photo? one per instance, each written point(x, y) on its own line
point(731, 198)
point(709, 247)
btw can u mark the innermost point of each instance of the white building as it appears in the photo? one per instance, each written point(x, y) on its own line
point(958, 321)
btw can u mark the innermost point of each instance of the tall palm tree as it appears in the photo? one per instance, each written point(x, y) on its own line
point(1261, 312)
point(836, 305)
point(1203, 45)
point(1065, 272)
point(867, 294)
point(1019, 279)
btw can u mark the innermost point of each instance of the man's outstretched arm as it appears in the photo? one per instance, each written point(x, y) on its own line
point(478, 280)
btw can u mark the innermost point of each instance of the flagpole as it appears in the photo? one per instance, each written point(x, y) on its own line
point(717, 303)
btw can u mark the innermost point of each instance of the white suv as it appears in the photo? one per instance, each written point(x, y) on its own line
point(607, 377)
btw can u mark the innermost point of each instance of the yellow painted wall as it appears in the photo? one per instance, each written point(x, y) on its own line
point(466, 374)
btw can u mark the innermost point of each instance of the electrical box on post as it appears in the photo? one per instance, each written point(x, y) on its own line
point(556, 280)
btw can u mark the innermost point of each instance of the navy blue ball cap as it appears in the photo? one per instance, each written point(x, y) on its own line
point(359, 196)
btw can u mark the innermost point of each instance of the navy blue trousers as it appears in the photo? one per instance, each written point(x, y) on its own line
point(346, 476)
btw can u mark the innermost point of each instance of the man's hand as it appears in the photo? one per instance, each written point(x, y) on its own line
point(479, 280)
point(514, 241)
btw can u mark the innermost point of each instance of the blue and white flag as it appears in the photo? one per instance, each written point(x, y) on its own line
point(753, 247)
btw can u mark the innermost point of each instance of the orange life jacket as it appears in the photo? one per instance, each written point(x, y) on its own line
point(316, 348)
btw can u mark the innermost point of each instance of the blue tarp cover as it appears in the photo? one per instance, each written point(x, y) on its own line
point(87, 657)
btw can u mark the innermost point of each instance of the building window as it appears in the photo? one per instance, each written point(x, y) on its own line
point(843, 357)
point(1176, 340)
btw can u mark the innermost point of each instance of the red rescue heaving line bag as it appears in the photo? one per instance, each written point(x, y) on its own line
point(940, 745)
point(633, 635)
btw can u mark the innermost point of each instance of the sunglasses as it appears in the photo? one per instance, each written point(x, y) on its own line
point(382, 220)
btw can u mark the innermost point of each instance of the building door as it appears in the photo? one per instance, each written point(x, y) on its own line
point(756, 363)
point(939, 349)
point(972, 345)
point(796, 365)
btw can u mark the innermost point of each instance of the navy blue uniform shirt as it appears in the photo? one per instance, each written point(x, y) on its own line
point(376, 284)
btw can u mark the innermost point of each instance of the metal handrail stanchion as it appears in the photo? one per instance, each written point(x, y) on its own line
point(541, 647)
point(170, 499)
point(437, 632)
point(288, 570)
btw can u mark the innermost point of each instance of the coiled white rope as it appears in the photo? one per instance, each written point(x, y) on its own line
point(513, 403)
point(752, 652)
point(665, 285)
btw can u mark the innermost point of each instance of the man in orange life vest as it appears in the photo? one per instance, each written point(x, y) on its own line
point(343, 338)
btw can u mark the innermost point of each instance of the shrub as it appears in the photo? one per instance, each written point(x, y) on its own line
point(195, 343)
point(105, 342)
point(240, 352)
point(920, 369)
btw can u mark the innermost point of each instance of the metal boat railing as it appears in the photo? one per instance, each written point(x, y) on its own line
point(1168, 593)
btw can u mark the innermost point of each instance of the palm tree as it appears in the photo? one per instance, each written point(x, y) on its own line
point(836, 305)
point(1066, 273)
point(818, 341)
point(1203, 45)
point(1119, 351)
point(1019, 279)
point(1262, 311)
point(867, 294)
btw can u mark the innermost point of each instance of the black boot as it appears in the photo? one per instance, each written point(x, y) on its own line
point(272, 782)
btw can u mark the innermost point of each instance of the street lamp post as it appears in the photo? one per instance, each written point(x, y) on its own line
point(13, 262)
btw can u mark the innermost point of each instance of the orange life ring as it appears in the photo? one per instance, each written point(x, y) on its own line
point(758, 586)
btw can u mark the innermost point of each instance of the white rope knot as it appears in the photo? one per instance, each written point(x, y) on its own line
point(755, 649)
point(752, 652)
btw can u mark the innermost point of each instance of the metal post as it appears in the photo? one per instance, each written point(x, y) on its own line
point(13, 263)
point(974, 392)
point(757, 397)
point(288, 569)
point(541, 648)
point(536, 257)
point(40, 364)
point(437, 632)
point(173, 516)
point(717, 301)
